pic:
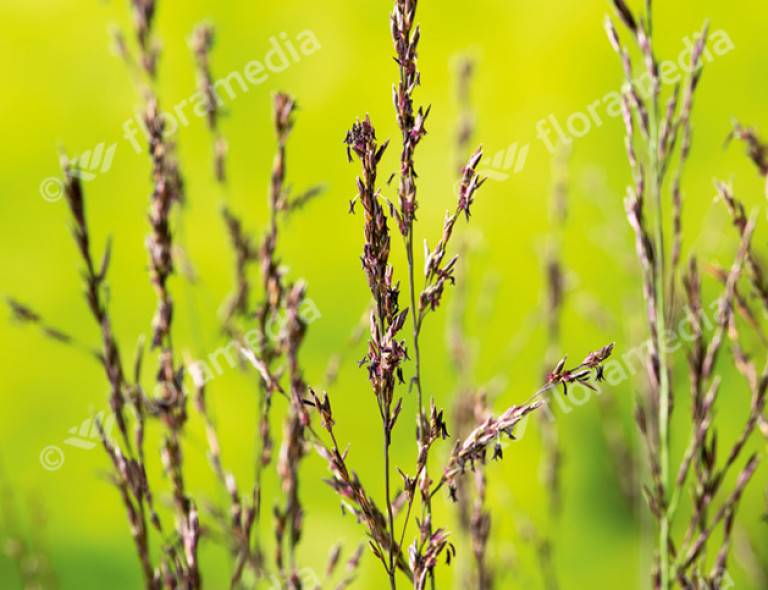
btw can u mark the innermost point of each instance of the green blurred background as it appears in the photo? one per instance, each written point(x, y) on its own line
point(64, 86)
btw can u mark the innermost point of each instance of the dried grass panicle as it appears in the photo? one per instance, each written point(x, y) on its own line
point(179, 564)
point(167, 190)
point(129, 474)
point(293, 446)
point(354, 496)
point(466, 125)
point(241, 515)
point(757, 280)
point(435, 430)
point(277, 359)
point(480, 533)
point(24, 314)
point(245, 254)
point(589, 369)
point(350, 569)
point(471, 404)
point(437, 272)
point(411, 121)
point(94, 278)
point(361, 140)
point(471, 407)
point(272, 279)
point(171, 404)
point(333, 560)
point(757, 149)
point(406, 35)
point(660, 134)
point(178, 567)
point(472, 451)
point(553, 308)
point(757, 273)
point(289, 518)
point(202, 44)
point(292, 338)
point(143, 21)
point(701, 452)
point(272, 284)
point(385, 351)
point(737, 212)
point(264, 354)
point(425, 552)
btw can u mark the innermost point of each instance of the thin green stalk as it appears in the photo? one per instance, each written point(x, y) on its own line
point(415, 322)
point(390, 513)
point(664, 405)
point(384, 411)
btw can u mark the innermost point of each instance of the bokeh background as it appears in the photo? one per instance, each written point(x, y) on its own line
point(64, 87)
